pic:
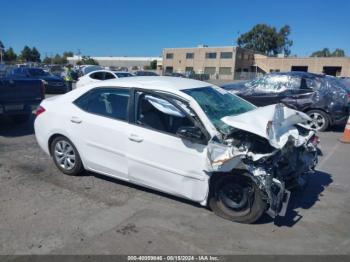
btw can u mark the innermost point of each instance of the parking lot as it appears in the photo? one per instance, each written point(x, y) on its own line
point(45, 212)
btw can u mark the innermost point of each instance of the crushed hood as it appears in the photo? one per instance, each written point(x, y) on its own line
point(276, 123)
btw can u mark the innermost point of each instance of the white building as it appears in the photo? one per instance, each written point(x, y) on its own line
point(131, 63)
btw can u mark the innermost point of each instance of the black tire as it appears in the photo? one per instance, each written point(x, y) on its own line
point(77, 167)
point(20, 119)
point(322, 116)
point(247, 213)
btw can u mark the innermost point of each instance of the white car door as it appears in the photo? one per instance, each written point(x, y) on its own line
point(160, 159)
point(101, 125)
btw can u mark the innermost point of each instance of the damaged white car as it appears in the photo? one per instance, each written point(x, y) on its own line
point(183, 137)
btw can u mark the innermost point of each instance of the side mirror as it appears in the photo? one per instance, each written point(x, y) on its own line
point(191, 133)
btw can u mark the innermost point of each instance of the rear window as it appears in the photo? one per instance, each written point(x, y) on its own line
point(339, 83)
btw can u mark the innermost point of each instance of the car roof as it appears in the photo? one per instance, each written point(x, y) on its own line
point(297, 73)
point(124, 72)
point(161, 83)
point(100, 70)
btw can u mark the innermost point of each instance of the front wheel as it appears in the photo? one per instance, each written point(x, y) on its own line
point(319, 120)
point(66, 156)
point(237, 198)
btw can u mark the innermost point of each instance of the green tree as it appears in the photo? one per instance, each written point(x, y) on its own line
point(10, 55)
point(325, 52)
point(57, 60)
point(65, 55)
point(87, 60)
point(26, 54)
point(35, 55)
point(153, 65)
point(47, 60)
point(68, 54)
point(266, 39)
point(321, 53)
point(338, 52)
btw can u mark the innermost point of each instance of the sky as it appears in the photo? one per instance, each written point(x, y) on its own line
point(145, 27)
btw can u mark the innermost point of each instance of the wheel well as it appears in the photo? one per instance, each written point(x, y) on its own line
point(217, 175)
point(51, 139)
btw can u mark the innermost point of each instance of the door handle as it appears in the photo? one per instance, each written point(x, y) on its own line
point(75, 120)
point(135, 138)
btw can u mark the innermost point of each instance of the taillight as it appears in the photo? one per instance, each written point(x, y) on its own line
point(39, 111)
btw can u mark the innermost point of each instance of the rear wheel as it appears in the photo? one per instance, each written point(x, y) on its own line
point(319, 120)
point(237, 198)
point(66, 156)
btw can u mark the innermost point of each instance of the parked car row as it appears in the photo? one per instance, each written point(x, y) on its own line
point(324, 99)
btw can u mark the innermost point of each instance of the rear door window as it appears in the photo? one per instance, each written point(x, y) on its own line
point(108, 102)
point(97, 75)
point(314, 83)
point(109, 76)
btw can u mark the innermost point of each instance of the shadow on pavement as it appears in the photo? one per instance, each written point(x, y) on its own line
point(145, 189)
point(10, 129)
point(304, 199)
point(337, 129)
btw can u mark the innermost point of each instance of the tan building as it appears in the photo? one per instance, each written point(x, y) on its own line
point(217, 62)
point(336, 66)
point(229, 62)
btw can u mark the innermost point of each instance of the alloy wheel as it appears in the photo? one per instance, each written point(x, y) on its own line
point(317, 121)
point(65, 155)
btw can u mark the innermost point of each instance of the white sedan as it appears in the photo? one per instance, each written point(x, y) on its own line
point(183, 137)
point(100, 75)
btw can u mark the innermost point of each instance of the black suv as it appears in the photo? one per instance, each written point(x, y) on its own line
point(324, 98)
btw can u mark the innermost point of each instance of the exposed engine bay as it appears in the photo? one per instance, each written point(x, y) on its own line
point(276, 162)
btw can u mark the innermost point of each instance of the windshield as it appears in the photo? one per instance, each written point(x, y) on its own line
point(218, 103)
point(37, 72)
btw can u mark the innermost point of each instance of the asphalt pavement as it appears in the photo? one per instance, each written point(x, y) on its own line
point(45, 212)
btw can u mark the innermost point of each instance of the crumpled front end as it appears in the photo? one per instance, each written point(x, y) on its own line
point(277, 158)
point(277, 174)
